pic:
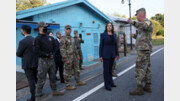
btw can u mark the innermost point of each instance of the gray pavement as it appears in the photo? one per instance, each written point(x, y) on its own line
point(125, 83)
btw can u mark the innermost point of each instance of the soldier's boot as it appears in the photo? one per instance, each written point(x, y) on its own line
point(147, 88)
point(138, 91)
point(80, 83)
point(81, 68)
point(114, 74)
point(56, 93)
point(70, 87)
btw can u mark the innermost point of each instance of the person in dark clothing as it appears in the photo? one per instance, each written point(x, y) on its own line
point(29, 59)
point(58, 58)
point(108, 52)
point(45, 48)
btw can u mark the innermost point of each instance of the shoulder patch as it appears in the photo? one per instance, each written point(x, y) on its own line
point(147, 22)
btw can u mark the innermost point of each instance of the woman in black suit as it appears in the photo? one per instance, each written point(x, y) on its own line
point(108, 52)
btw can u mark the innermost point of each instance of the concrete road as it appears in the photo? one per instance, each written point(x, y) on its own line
point(95, 91)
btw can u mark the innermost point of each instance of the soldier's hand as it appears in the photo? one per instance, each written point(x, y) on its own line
point(78, 58)
point(117, 57)
point(119, 49)
point(133, 35)
point(79, 38)
point(67, 62)
point(130, 21)
point(101, 59)
point(51, 56)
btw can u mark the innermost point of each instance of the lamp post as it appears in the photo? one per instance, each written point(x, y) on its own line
point(129, 17)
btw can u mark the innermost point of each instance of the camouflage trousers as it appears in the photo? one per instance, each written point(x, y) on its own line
point(45, 66)
point(71, 68)
point(142, 70)
point(81, 59)
point(114, 66)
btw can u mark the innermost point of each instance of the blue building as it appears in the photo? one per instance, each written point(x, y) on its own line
point(80, 14)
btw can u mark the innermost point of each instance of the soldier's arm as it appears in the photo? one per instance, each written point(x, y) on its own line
point(145, 25)
point(118, 41)
point(63, 50)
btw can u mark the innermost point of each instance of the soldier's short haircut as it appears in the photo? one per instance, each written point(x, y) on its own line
point(26, 28)
point(58, 33)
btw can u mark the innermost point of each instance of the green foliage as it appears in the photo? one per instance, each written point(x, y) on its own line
point(160, 32)
point(158, 41)
point(28, 4)
point(160, 18)
point(134, 18)
point(156, 26)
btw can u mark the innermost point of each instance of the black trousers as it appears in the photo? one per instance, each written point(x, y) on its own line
point(31, 75)
point(107, 72)
point(60, 67)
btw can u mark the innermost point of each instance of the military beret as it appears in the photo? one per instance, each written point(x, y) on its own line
point(42, 24)
point(67, 27)
point(140, 10)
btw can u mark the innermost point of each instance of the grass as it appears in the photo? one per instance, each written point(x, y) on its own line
point(158, 40)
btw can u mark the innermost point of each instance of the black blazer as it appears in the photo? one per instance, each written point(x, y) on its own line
point(26, 51)
point(57, 55)
point(108, 49)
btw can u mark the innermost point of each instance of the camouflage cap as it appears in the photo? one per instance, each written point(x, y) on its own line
point(140, 10)
point(75, 31)
point(42, 24)
point(67, 27)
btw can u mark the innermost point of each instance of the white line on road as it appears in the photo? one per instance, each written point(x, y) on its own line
point(102, 84)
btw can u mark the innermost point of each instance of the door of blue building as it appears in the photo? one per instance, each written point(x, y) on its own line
point(96, 35)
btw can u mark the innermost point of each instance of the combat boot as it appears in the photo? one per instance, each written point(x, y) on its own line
point(138, 91)
point(81, 68)
point(80, 83)
point(147, 88)
point(56, 93)
point(114, 75)
point(70, 87)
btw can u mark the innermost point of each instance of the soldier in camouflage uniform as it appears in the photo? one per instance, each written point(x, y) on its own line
point(45, 48)
point(144, 49)
point(114, 64)
point(70, 57)
point(78, 42)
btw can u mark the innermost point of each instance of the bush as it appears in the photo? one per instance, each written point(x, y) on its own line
point(160, 32)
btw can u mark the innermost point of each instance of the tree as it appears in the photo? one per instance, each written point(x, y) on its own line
point(134, 18)
point(28, 4)
point(116, 14)
point(160, 18)
point(156, 26)
point(123, 16)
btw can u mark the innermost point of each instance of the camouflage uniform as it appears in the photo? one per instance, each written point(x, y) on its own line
point(70, 53)
point(119, 45)
point(78, 43)
point(144, 49)
point(46, 65)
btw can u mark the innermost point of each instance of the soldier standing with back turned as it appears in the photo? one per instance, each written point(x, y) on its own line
point(144, 49)
point(70, 57)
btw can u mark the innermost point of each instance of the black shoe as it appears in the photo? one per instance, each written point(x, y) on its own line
point(109, 89)
point(113, 86)
point(29, 99)
point(62, 81)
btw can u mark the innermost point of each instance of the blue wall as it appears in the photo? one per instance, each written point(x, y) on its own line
point(74, 15)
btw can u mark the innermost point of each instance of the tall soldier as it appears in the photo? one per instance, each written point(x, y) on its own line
point(29, 59)
point(70, 55)
point(114, 64)
point(78, 42)
point(144, 49)
point(45, 48)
